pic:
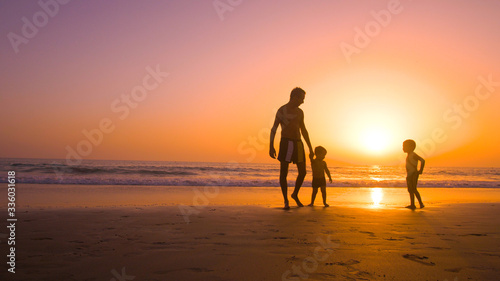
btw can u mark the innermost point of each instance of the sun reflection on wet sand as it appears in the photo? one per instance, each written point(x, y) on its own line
point(377, 196)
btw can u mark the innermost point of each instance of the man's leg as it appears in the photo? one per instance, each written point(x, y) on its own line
point(301, 167)
point(283, 183)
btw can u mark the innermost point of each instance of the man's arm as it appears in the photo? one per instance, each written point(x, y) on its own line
point(311, 157)
point(305, 134)
point(272, 151)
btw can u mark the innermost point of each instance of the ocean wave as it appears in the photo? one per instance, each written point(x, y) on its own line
point(83, 170)
point(133, 169)
point(117, 172)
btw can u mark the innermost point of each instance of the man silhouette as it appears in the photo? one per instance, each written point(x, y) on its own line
point(291, 119)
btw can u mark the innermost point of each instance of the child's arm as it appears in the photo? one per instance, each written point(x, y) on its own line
point(327, 172)
point(422, 163)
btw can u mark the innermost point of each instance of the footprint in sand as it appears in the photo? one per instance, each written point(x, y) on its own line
point(165, 223)
point(474, 234)
point(419, 259)
point(394, 239)
point(369, 233)
point(76, 241)
point(199, 269)
point(438, 248)
point(160, 243)
point(453, 269)
point(347, 263)
point(202, 238)
point(193, 269)
point(490, 254)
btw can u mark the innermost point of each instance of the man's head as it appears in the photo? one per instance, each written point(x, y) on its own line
point(297, 96)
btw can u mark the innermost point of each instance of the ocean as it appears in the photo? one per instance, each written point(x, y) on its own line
point(165, 173)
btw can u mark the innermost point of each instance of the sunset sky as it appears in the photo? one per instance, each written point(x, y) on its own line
point(375, 72)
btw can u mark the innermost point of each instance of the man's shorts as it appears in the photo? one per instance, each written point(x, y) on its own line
point(291, 151)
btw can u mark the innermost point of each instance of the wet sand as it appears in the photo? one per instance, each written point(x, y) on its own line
point(109, 235)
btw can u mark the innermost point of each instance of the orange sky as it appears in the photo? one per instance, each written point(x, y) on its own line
point(414, 75)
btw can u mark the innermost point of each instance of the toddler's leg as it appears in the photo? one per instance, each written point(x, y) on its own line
point(411, 190)
point(323, 193)
point(417, 194)
point(313, 196)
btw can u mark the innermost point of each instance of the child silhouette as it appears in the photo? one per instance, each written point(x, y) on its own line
point(319, 169)
point(412, 172)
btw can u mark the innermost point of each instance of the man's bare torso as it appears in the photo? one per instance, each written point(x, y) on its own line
point(290, 119)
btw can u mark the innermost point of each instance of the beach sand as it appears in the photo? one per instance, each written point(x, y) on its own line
point(147, 233)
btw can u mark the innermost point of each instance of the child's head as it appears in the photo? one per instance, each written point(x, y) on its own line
point(409, 146)
point(320, 152)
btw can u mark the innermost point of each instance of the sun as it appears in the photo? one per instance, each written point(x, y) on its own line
point(375, 140)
